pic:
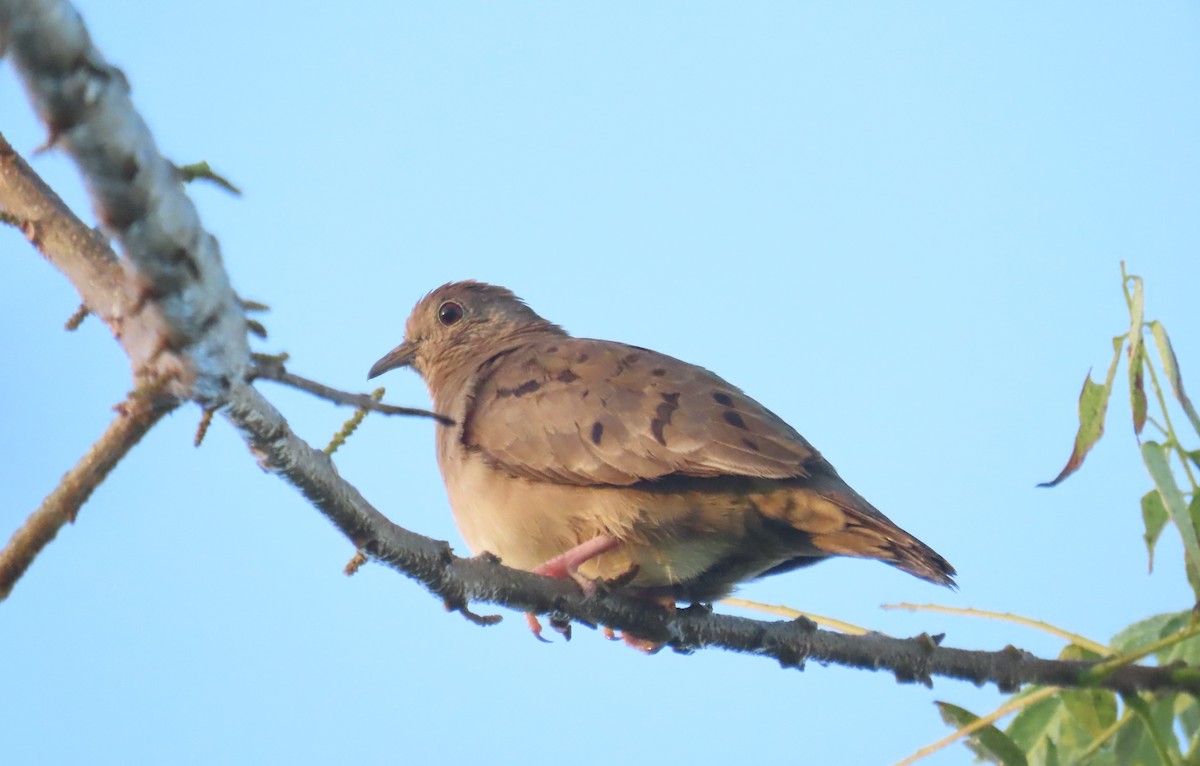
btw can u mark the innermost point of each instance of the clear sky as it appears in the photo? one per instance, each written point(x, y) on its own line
point(899, 226)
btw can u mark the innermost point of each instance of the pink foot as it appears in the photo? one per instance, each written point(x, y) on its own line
point(536, 626)
point(567, 564)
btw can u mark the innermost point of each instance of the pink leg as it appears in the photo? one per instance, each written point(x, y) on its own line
point(567, 564)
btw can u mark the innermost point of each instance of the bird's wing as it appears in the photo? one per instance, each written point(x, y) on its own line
point(593, 412)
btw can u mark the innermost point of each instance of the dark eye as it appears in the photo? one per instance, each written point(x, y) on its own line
point(449, 313)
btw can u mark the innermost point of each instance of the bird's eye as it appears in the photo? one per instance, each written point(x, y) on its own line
point(449, 313)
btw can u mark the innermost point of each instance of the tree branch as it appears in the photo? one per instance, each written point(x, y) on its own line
point(185, 328)
point(79, 252)
point(135, 417)
point(268, 367)
point(461, 581)
point(187, 331)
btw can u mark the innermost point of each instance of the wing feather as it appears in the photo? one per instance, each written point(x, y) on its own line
point(593, 412)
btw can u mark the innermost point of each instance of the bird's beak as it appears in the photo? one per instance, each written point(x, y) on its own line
point(401, 356)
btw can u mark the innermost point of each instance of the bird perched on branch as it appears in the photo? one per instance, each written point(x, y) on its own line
point(597, 460)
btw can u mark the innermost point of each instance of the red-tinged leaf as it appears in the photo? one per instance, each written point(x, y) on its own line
point(1171, 368)
point(1136, 351)
point(1154, 515)
point(1137, 389)
point(1093, 404)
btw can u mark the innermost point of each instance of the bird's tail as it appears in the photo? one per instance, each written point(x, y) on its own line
point(841, 523)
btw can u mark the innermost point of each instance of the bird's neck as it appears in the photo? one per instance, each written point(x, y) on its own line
point(457, 374)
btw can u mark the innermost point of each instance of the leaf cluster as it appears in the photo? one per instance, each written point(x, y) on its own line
point(1094, 726)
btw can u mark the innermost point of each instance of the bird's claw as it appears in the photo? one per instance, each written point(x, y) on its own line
point(536, 626)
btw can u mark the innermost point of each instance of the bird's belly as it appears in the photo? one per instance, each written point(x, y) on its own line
point(507, 517)
point(672, 539)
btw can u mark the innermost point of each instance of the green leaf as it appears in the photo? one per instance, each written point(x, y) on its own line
point(1093, 404)
point(1171, 368)
point(1138, 742)
point(1188, 713)
point(1187, 651)
point(1137, 354)
point(989, 742)
point(1195, 456)
point(1077, 653)
point(1154, 515)
point(1093, 709)
point(1102, 755)
point(1148, 631)
point(1155, 456)
point(1133, 746)
point(1032, 723)
point(1051, 758)
point(1048, 731)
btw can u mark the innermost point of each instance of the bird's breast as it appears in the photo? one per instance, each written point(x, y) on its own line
point(672, 538)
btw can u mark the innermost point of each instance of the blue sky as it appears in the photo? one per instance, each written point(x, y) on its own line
point(899, 226)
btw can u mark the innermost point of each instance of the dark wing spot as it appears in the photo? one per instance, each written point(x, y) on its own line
point(734, 419)
point(750, 445)
point(582, 358)
point(662, 416)
point(725, 400)
point(658, 372)
point(552, 350)
point(597, 432)
point(585, 393)
point(566, 376)
point(631, 359)
point(528, 387)
point(656, 428)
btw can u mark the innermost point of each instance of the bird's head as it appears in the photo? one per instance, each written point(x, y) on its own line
point(456, 324)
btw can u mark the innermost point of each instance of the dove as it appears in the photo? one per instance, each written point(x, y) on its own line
point(601, 461)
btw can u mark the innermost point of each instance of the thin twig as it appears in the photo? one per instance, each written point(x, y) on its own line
point(1100, 671)
point(1053, 630)
point(270, 368)
point(77, 318)
point(134, 418)
point(786, 611)
point(78, 251)
point(206, 416)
